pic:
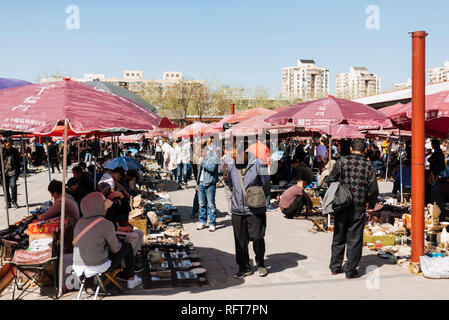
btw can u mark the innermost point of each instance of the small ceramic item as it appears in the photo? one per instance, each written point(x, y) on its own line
point(199, 271)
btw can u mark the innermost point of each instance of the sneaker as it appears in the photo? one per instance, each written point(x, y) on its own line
point(211, 228)
point(134, 282)
point(201, 226)
point(262, 271)
point(242, 274)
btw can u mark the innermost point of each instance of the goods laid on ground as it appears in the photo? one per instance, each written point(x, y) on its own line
point(168, 255)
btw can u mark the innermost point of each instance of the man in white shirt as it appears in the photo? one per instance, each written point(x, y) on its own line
point(159, 154)
point(169, 159)
point(186, 161)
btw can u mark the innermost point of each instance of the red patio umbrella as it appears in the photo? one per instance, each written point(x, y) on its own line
point(339, 131)
point(195, 129)
point(436, 115)
point(255, 126)
point(248, 114)
point(329, 111)
point(38, 109)
point(165, 123)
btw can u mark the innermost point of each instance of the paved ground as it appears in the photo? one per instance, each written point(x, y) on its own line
point(297, 261)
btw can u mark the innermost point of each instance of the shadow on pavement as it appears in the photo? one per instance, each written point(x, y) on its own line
point(372, 260)
point(278, 262)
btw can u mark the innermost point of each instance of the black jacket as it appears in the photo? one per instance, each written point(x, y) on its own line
point(12, 161)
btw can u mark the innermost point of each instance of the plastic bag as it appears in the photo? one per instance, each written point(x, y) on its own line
point(435, 268)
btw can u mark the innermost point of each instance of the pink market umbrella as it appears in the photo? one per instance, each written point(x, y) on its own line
point(219, 125)
point(38, 108)
point(255, 126)
point(195, 129)
point(248, 114)
point(436, 115)
point(165, 123)
point(339, 131)
point(329, 111)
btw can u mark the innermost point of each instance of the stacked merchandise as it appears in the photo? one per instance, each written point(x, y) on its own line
point(168, 255)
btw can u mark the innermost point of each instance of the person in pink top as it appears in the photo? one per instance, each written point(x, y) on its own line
point(294, 198)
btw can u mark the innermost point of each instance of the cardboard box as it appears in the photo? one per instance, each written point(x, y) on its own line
point(37, 230)
point(387, 240)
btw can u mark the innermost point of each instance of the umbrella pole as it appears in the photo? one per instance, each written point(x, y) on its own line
point(400, 167)
point(95, 168)
point(25, 172)
point(79, 145)
point(330, 168)
point(388, 159)
point(4, 182)
point(48, 160)
point(61, 240)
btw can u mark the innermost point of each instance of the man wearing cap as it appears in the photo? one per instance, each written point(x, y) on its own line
point(11, 157)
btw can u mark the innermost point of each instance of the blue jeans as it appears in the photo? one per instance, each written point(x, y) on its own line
point(88, 156)
point(206, 197)
point(182, 172)
point(188, 174)
point(173, 174)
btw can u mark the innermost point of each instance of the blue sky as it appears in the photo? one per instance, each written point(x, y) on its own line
point(235, 41)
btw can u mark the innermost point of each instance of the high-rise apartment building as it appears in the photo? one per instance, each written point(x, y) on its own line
point(357, 83)
point(306, 81)
point(439, 74)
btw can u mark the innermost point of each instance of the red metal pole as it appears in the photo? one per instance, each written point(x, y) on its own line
point(418, 144)
point(232, 108)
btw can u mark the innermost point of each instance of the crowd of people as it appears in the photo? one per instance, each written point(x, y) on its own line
point(99, 197)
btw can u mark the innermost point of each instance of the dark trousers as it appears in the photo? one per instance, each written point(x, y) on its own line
point(246, 229)
point(348, 232)
point(54, 163)
point(126, 252)
point(160, 159)
point(11, 183)
point(295, 208)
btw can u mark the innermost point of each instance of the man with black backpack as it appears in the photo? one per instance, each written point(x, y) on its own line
point(359, 176)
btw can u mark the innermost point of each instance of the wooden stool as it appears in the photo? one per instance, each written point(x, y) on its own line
point(110, 277)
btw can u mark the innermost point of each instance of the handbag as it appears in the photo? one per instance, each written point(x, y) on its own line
point(254, 196)
point(343, 197)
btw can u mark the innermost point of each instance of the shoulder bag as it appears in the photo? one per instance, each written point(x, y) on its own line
point(254, 195)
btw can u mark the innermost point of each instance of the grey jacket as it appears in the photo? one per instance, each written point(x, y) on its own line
point(92, 249)
point(256, 174)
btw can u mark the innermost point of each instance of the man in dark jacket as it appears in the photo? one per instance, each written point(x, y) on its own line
point(86, 182)
point(248, 223)
point(11, 158)
point(53, 157)
point(436, 160)
point(359, 176)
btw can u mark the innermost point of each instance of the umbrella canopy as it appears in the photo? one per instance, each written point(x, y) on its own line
point(6, 83)
point(340, 131)
point(133, 164)
point(436, 115)
point(219, 125)
point(260, 151)
point(112, 88)
point(248, 114)
point(329, 111)
point(115, 163)
point(38, 108)
point(393, 110)
point(255, 126)
point(195, 129)
point(165, 123)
